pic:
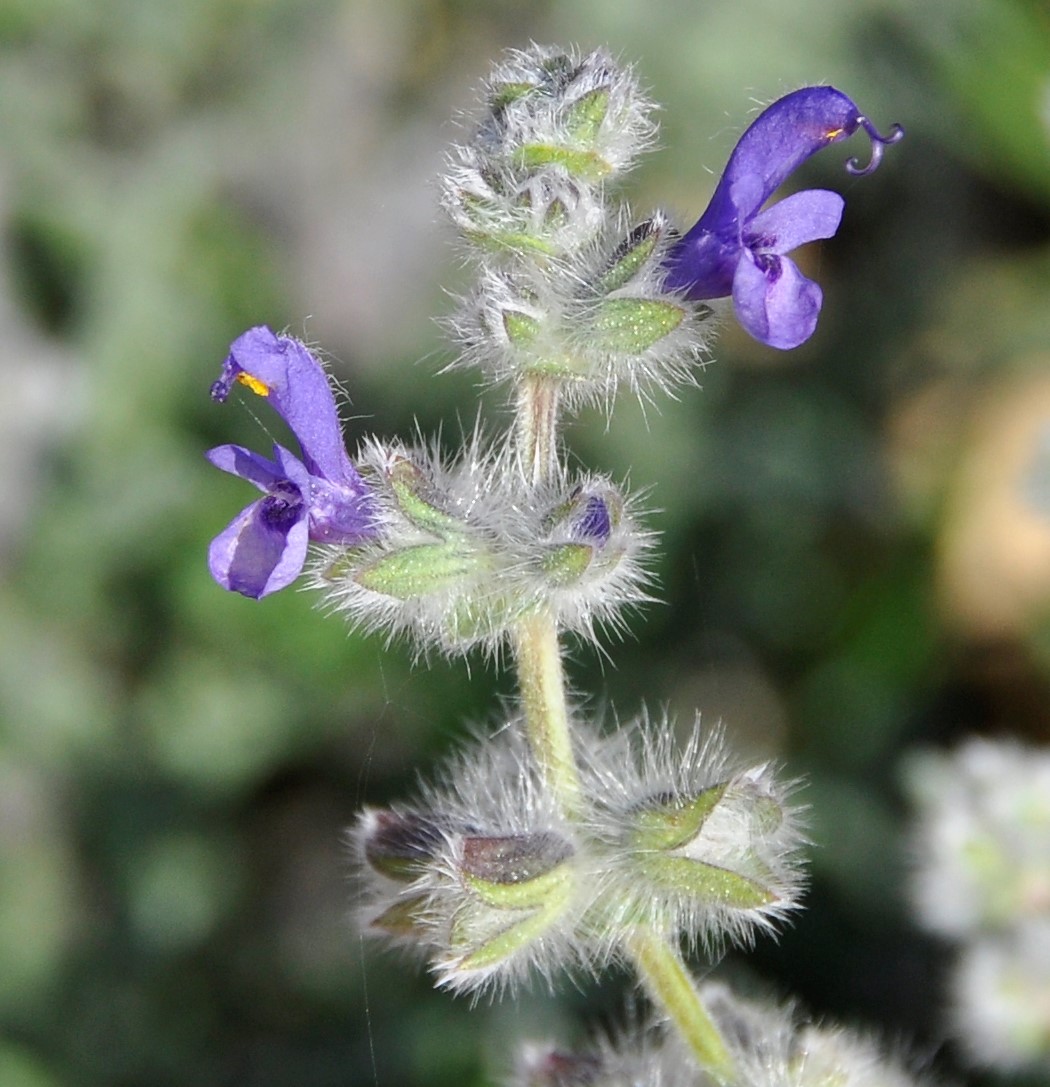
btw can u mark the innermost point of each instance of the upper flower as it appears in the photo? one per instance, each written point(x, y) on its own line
point(737, 248)
point(320, 497)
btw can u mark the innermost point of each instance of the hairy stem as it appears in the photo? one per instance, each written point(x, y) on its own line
point(540, 675)
point(537, 426)
point(542, 686)
point(671, 987)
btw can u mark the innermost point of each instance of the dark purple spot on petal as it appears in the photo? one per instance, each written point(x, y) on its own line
point(282, 507)
point(769, 265)
point(760, 241)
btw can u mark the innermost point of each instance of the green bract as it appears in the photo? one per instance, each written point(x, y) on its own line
point(633, 325)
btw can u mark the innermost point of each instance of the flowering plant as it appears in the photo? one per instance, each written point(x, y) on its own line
point(553, 845)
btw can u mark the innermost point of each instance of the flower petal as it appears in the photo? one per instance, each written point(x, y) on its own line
point(780, 139)
point(242, 462)
point(283, 370)
point(340, 514)
point(797, 219)
point(707, 261)
point(775, 302)
point(337, 514)
point(702, 264)
point(595, 524)
point(263, 548)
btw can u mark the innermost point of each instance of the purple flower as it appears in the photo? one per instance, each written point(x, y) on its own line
point(738, 249)
point(320, 497)
point(595, 522)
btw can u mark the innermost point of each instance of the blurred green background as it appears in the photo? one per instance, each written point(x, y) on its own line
point(849, 565)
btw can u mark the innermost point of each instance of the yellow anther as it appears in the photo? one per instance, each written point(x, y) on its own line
point(258, 387)
point(833, 134)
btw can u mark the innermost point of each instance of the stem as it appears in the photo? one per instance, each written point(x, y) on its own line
point(540, 674)
point(538, 404)
point(542, 685)
point(671, 987)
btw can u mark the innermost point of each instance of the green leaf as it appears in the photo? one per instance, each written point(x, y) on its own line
point(490, 939)
point(410, 485)
point(416, 571)
point(585, 164)
point(527, 894)
point(633, 325)
point(568, 563)
point(404, 918)
point(505, 93)
point(630, 257)
point(670, 826)
point(521, 329)
point(585, 116)
point(705, 882)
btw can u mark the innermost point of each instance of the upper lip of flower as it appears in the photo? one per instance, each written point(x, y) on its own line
point(283, 370)
point(737, 248)
point(320, 497)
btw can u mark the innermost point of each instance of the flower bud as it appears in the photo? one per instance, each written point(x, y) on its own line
point(597, 317)
point(710, 846)
point(579, 533)
point(700, 850)
point(774, 1044)
point(587, 516)
point(518, 887)
point(398, 845)
point(546, 213)
point(409, 566)
point(585, 561)
point(399, 848)
point(547, 108)
point(513, 871)
point(436, 570)
point(675, 823)
point(406, 920)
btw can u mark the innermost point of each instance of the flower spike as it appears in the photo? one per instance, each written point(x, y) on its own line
point(320, 498)
point(736, 248)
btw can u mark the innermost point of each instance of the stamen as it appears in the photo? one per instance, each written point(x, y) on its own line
point(258, 387)
point(878, 142)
